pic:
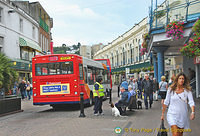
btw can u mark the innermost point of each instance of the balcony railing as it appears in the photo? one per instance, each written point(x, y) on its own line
point(44, 25)
point(180, 10)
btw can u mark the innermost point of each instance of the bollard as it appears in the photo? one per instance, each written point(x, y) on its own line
point(110, 96)
point(118, 91)
point(82, 105)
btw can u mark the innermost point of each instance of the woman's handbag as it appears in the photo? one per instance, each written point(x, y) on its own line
point(163, 130)
point(28, 88)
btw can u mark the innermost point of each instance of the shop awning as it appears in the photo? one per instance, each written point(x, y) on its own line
point(25, 42)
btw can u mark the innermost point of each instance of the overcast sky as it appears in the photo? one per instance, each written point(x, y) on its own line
point(93, 21)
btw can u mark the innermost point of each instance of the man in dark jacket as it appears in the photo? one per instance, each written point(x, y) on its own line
point(124, 100)
point(22, 88)
point(147, 85)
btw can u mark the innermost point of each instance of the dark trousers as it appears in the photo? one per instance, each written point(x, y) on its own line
point(22, 93)
point(98, 104)
point(29, 94)
point(118, 106)
point(150, 95)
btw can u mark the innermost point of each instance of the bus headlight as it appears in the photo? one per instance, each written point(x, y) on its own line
point(76, 92)
point(34, 94)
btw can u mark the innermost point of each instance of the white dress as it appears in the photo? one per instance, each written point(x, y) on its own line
point(177, 108)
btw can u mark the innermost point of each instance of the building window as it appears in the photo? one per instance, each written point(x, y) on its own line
point(41, 40)
point(27, 54)
point(21, 25)
point(1, 14)
point(33, 32)
point(1, 43)
point(24, 54)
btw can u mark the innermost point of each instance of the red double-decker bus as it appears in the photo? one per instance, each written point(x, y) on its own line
point(60, 78)
point(107, 63)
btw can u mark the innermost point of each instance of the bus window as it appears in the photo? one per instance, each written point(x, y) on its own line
point(101, 73)
point(90, 76)
point(54, 68)
point(94, 74)
point(108, 76)
point(85, 75)
point(67, 67)
point(81, 71)
point(38, 70)
point(105, 77)
point(44, 68)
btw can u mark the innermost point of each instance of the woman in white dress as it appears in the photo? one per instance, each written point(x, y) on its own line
point(178, 95)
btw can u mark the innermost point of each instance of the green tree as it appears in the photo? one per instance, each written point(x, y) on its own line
point(8, 75)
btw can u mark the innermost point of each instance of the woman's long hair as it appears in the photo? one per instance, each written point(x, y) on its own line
point(186, 83)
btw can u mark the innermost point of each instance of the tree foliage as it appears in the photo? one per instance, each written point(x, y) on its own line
point(8, 75)
point(64, 48)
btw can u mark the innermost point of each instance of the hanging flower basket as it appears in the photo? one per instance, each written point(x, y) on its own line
point(146, 38)
point(192, 48)
point(143, 51)
point(175, 30)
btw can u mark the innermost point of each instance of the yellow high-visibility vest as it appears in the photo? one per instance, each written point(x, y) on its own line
point(101, 90)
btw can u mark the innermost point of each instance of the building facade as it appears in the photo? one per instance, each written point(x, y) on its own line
point(167, 57)
point(124, 53)
point(85, 51)
point(95, 48)
point(19, 37)
point(38, 13)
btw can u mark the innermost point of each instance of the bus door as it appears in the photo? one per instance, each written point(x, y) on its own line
point(82, 84)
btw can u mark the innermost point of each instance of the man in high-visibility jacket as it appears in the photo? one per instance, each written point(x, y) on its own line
point(98, 93)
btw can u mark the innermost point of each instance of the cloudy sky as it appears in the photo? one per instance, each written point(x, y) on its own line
point(93, 21)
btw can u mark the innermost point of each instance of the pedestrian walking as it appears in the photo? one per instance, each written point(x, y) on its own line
point(98, 93)
point(163, 89)
point(22, 89)
point(178, 96)
point(147, 86)
point(28, 89)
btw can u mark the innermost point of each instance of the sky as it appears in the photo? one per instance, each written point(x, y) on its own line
point(93, 21)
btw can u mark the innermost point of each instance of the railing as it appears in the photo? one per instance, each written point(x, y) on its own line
point(44, 25)
point(179, 10)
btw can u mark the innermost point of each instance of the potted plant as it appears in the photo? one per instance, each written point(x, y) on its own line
point(175, 30)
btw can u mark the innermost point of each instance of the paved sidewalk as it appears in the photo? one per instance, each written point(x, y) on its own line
point(44, 121)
